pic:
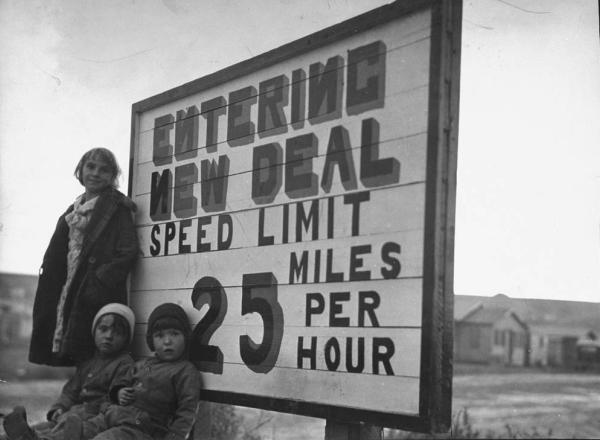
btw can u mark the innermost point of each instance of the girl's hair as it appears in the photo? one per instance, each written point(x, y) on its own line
point(168, 322)
point(120, 324)
point(104, 155)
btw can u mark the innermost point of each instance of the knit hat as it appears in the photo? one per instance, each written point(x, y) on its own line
point(176, 316)
point(118, 309)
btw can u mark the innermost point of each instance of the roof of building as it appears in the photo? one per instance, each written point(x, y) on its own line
point(555, 313)
point(464, 304)
point(489, 315)
point(559, 330)
point(485, 315)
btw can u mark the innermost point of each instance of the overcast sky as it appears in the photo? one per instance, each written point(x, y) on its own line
point(528, 211)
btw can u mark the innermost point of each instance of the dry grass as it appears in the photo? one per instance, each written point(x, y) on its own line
point(520, 404)
point(36, 396)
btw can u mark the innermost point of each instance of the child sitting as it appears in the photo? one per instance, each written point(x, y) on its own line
point(86, 393)
point(159, 397)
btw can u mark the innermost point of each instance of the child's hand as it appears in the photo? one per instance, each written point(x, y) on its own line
point(126, 396)
point(56, 414)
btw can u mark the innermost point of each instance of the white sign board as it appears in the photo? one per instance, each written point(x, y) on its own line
point(289, 204)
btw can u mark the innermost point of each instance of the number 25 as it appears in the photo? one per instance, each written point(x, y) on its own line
point(259, 295)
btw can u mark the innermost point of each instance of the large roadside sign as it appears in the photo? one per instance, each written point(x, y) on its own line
point(300, 206)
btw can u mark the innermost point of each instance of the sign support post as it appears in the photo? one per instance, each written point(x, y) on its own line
point(335, 430)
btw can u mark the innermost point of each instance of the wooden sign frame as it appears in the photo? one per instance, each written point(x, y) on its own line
point(436, 339)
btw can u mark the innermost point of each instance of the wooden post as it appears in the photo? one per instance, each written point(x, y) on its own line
point(335, 430)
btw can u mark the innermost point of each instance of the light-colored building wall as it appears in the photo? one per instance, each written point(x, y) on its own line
point(502, 341)
point(509, 341)
point(473, 342)
point(538, 348)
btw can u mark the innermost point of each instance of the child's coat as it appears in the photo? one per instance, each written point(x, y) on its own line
point(166, 399)
point(88, 389)
point(86, 393)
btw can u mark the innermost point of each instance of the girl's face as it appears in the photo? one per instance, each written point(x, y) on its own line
point(96, 175)
point(169, 344)
point(108, 339)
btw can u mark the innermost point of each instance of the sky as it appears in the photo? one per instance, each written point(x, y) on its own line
point(528, 186)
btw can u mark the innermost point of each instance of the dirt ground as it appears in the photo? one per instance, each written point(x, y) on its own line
point(567, 405)
point(562, 405)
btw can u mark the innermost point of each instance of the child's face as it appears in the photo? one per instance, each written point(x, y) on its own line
point(108, 339)
point(169, 344)
point(96, 175)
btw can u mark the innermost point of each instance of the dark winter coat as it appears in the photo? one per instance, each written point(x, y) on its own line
point(110, 248)
point(87, 391)
point(164, 407)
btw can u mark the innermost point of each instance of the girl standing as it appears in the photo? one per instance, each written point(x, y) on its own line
point(86, 264)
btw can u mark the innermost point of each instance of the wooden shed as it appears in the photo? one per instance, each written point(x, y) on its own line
point(491, 335)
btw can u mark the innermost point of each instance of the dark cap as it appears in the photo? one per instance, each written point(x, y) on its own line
point(174, 314)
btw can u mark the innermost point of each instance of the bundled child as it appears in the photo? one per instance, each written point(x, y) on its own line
point(86, 393)
point(158, 399)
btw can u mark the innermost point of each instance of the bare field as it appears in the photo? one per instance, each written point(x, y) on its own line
point(564, 405)
point(567, 405)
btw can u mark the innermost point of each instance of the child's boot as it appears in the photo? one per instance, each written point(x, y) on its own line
point(16, 427)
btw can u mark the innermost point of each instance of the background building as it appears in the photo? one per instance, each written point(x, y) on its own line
point(491, 334)
point(556, 333)
point(17, 293)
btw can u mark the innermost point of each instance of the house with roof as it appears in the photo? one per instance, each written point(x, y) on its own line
point(17, 293)
point(558, 331)
point(554, 345)
point(491, 335)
